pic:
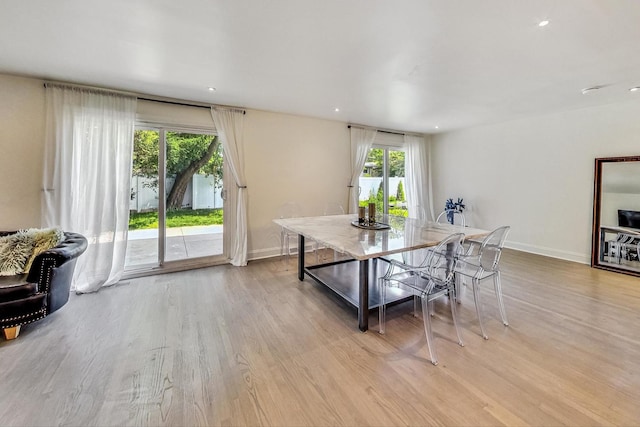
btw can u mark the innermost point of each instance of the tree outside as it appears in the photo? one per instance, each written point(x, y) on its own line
point(187, 154)
point(400, 192)
point(375, 163)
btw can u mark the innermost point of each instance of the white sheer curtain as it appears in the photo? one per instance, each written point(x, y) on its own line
point(361, 142)
point(87, 176)
point(230, 124)
point(417, 177)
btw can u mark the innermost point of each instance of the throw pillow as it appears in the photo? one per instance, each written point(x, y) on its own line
point(18, 250)
point(43, 240)
point(15, 250)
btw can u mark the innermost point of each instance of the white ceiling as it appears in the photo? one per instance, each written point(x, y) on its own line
point(406, 65)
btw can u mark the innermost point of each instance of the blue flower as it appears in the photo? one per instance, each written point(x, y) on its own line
point(450, 206)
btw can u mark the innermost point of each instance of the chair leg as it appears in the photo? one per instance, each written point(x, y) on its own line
point(284, 247)
point(11, 333)
point(382, 309)
point(426, 317)
point(283, 243)
point(415, 305)
point(454, 314)
point(287, 248)
point(498, 288)
point(476, 299)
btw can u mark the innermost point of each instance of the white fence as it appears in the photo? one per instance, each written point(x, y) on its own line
point(200, 194)
point(370, 185)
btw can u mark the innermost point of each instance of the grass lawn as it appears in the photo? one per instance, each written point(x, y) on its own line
point(175, 218)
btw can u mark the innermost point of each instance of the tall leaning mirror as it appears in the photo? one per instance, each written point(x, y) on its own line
point(616, 215)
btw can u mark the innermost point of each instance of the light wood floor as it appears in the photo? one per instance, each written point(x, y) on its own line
point(254, 346)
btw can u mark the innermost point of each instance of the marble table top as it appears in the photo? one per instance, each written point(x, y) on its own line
point(404, 234)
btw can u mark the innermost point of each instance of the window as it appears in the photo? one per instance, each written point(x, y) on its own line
point(382, 181)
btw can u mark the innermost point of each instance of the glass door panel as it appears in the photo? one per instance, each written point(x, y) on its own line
point(396, 199)
point(382, 181)
point(187, 222)
point(142, 243)
point(371, 180)
point(194, 203)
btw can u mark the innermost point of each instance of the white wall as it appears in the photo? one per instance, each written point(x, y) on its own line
point(288, 158)
point(291, 158)
point(535, 174)
point(21, 148)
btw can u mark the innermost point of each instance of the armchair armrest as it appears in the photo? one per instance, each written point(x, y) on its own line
point(53, 269)
point(70, 248)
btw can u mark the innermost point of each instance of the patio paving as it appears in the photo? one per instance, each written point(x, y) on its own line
point(182, 243)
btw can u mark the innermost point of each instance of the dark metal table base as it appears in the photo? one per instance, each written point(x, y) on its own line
point(354, 281)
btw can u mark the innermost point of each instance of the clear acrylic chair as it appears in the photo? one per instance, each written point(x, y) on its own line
point(331, 208)
point(482, 261)
point(288, 210)
point(457, 216)
point(418, 213)
point(433, 278)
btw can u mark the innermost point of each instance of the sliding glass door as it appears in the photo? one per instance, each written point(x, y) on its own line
point(176, 207)
point(382, 181)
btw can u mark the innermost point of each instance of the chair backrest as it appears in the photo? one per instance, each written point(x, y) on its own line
point(441, 260)
point(417, 212)
point(334, 208)
point(491, 248)
point(450, 214)
point(410, 257)
point(289, 210)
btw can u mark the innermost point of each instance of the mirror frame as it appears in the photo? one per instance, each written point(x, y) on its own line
point(597, 204)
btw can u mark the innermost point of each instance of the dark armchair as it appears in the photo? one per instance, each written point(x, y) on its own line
point(44, 289)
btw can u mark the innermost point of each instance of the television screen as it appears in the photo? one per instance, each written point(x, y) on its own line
point(629, 219)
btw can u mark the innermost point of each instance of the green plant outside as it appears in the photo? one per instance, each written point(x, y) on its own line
point(392, 210)
point(398, 212)
point(176, 218)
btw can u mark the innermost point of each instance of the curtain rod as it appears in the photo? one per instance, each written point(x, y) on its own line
point(164, 101)
point(89, 88)
point(377, 130)
point(187, 104)
point(140, 96)
point(392, 132)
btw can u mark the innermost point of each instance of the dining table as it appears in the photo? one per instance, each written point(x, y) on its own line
point(368, 250)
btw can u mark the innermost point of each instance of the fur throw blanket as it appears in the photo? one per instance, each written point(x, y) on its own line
point(18, 250)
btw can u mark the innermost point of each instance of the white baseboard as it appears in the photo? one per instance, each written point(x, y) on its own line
point(273, 252)
point(550, 252)
point(538, 250)
point(263, 253)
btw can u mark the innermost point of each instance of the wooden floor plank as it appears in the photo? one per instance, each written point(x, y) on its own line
point(253, 346)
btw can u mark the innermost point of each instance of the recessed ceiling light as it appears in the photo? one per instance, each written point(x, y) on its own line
point(543, 23)
point(212, 89)
point(337, 110)
point(634, 89)
point(437, 127)
point(587, 90)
